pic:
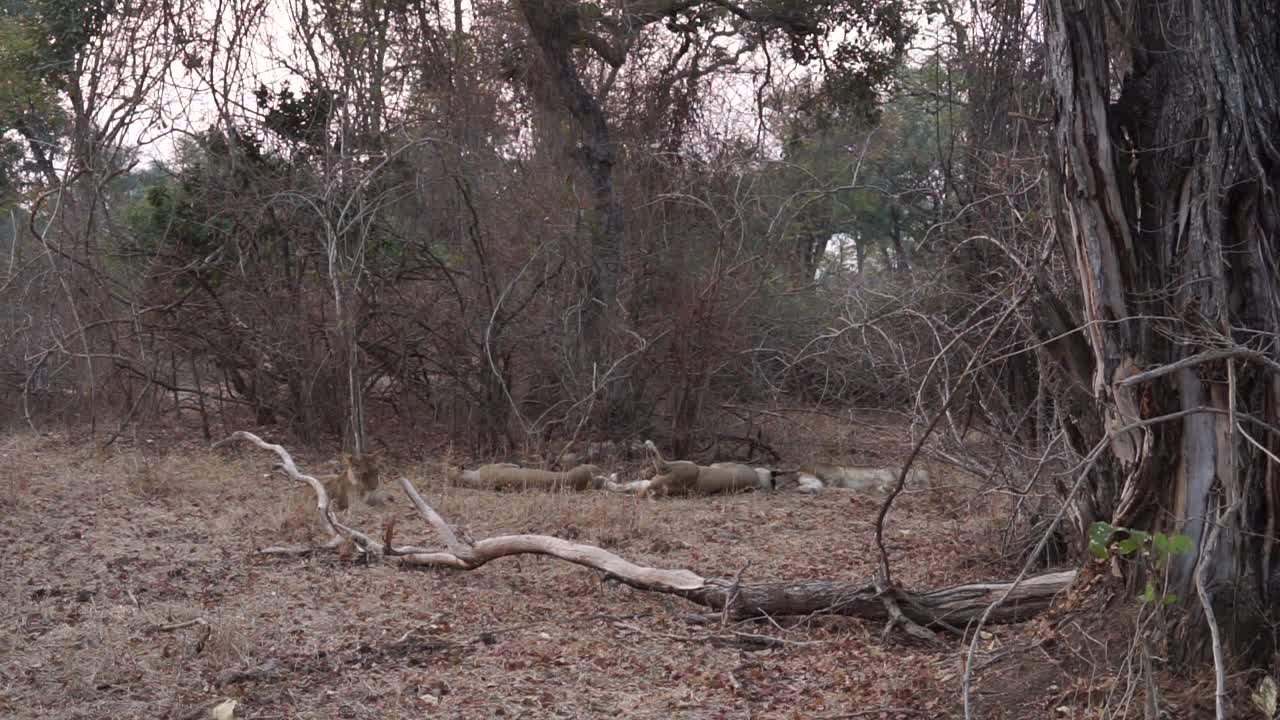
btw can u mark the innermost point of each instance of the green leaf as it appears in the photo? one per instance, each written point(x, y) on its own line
point(1100, 532)
point(1160, 542)
point(1149, 593)
point(1181, 544)
point(1170, 599)
point(1128, 546)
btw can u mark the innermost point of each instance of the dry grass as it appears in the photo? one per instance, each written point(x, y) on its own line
point(106, 547)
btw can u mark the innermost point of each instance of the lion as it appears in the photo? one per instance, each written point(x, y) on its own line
point(682, 477)
point(506, 476)
point(814, 478)
point(358, 481)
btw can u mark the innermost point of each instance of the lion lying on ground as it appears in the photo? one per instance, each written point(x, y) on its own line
point(505, 476)
point(682, 477)
point(814, 478)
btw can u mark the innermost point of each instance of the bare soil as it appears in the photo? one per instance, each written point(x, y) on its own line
point(107, 551)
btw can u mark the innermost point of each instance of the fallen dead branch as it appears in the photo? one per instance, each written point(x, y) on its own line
point(328, 518)
point(955, 606)
point(947, 608)
point(206, 631)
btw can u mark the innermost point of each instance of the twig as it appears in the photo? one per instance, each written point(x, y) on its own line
point(896, 617)
point(446, 533)
point(883, 574)
point(176, 626)
point(201, 711)
point(567, 621)
point(327, 516)
point(133, 410)
point(268, 669)
point(728, 638)
point(1202, 567)
point(967, 374)
point(1240, 353)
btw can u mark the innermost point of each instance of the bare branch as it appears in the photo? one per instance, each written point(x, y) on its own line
point(1208, 356)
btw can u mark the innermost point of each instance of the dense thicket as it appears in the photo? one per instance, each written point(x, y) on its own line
point(510, 222)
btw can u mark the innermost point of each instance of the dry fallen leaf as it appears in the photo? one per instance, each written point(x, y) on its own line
point(224, 711)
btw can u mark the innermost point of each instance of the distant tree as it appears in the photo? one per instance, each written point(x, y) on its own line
point(868, 177)
point(584, 45)
point(38, 45)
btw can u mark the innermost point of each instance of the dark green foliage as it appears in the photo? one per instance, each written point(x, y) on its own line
point(867, 175)
point(40, 41)
point(302, 119)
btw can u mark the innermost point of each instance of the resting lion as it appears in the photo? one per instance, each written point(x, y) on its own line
point(505, 476)
point(682, 477)
point(814, 478)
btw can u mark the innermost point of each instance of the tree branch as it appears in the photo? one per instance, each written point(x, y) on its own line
point(1238, 353)
point(954, 606)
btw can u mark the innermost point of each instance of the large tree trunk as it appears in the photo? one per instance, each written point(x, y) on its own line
point(1164, 191)
point(555, 27)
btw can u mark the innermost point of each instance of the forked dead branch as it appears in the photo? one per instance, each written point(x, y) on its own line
point(950, 607)
point(338, 532)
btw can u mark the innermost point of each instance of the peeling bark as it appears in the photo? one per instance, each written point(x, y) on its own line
point(1164, 179)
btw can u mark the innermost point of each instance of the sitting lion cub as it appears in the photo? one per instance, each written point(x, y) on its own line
point(505, 476)
point(358, 482)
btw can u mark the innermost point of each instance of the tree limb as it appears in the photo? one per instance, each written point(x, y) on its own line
point(944, 608)
point(1208, 356)
point(956, 605)
point(337, 530)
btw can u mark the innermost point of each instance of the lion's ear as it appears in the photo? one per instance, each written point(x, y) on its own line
point(347, 458)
